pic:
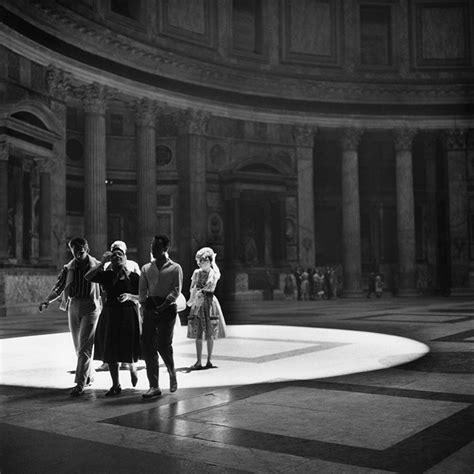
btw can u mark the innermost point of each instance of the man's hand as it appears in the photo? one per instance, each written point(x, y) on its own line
point(43, 305)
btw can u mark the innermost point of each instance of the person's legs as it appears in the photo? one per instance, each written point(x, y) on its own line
point(166, 323)
point(114, 373)
point(74, 322)
point(150, 348)
point(210, 348)
point(88, 321)
point(198, 352)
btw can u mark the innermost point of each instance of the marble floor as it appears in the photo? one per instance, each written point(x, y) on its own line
point(356, 386)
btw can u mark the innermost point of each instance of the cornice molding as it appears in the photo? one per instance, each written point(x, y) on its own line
point(327, 86)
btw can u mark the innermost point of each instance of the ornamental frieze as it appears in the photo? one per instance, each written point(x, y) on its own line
point(313, 85)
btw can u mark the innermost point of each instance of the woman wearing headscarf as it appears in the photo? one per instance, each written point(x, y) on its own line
point(117, 337)
point(205, 320)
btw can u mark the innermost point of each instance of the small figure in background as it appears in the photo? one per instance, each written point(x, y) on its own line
point(378, 286)
point(305, 286)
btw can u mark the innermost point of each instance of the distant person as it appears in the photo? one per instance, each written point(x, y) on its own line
point(161, 281)
point(81, 299)
point(205, 319)
point(371, 284)
point(328, 283)
point(117, 337)
point(318, 280)
point(289, 290)
point(305, 286)
point(378, 286)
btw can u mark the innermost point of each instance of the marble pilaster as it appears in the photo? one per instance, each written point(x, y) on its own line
point(4, 154)
point(95, 209)
point(352, 265)
point(44, 212)
point(405, 211)
point(146, 177)
point(456, 147)
point(431, 207)
point(304, 141)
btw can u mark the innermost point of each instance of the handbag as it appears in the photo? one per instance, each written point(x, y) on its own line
point(180, 302)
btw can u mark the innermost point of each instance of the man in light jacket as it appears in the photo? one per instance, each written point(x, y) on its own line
point(81, 299)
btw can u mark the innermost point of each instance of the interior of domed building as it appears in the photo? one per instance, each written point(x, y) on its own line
point(287, 135)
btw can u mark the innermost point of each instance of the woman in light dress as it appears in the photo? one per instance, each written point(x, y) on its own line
point(205, 319)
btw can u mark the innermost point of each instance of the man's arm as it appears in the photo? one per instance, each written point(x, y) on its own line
point(142, 287)
point(58, 288)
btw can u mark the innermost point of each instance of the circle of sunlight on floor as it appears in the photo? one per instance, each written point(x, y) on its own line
point(249, 354)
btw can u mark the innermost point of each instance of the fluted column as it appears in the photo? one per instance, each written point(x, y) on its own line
point(44, 212)
point(95, 196)
point(4, 154)
point(405, 211)
point(146, 177)
point(191, 148)
point(456, 147)
point(304, 141)
point(351, 212)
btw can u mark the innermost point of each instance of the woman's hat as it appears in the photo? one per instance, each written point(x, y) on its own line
point(119, 244)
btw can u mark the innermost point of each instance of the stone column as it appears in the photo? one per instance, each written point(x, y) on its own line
point(304, 141)
point(351, 244)
point(431, 206)
point(191, 151)
point(405, 211)
point(456, 147)
point(146, 177)
point(95, 166)
point(44, 212)
point(4, 154)
point(59, 87)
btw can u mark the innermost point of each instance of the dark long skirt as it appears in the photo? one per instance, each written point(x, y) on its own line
point(117, 337)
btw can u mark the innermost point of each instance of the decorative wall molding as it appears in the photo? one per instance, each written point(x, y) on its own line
point(342, 88)
point(442, 33)
point(311, 32)
point(190, 20)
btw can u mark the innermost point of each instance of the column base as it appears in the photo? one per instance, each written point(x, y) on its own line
point(407, 292)
point(353, 294)
point(461, 292)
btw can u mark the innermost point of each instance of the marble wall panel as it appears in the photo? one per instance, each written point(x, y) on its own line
point(190, 20)
point(310, 31)
point(27, 288)
point(121, 153)
point(442, 32)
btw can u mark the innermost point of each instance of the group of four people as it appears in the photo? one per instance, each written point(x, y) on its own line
point(136, 318)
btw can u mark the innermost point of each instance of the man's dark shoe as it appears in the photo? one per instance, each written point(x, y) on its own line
point(152, 392)
point(77, 391)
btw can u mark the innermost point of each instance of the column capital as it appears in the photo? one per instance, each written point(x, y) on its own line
point(145, 112)
point(94, 98)
point(403, 138)
point(303, 135)
point(58, 82)
point(351, 138)
point(455, 139)
point(44, 165)
point(194, 121)
point(4, 151)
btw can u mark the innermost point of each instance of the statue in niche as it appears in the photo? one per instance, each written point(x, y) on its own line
point(248, 243)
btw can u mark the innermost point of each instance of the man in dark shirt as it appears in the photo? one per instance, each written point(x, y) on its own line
point(81, 299)
point(160, 284)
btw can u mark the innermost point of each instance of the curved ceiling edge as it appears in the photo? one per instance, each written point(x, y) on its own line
point(221, 98)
